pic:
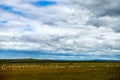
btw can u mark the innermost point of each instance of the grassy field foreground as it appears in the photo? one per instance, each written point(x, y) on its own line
point(60, 71)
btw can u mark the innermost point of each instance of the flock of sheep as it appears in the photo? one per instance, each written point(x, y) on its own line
point(6, 67)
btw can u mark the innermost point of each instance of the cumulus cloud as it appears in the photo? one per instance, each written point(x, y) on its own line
point(61, 26)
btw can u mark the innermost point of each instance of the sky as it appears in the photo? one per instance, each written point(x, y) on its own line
point(60, 29)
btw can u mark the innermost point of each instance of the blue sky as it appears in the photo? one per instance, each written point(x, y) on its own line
point(60, 29)
point(43, 3)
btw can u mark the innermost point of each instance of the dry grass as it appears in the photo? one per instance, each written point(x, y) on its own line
point(60, 71)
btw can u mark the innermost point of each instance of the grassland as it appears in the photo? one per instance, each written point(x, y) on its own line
point(58, 70)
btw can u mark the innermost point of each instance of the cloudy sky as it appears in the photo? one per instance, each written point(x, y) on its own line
point(60, 29)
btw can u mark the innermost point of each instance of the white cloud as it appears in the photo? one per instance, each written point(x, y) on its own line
point(66, 27)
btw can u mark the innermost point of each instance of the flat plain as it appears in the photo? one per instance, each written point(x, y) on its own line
point(59, 70)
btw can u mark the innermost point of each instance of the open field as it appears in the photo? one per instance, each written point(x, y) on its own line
point(59, 70)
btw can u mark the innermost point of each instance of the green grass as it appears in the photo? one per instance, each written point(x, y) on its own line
point(60, 71)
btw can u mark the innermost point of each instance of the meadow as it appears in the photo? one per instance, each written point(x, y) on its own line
point(58, 70)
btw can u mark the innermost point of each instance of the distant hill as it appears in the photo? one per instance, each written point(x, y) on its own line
point(30, 60)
